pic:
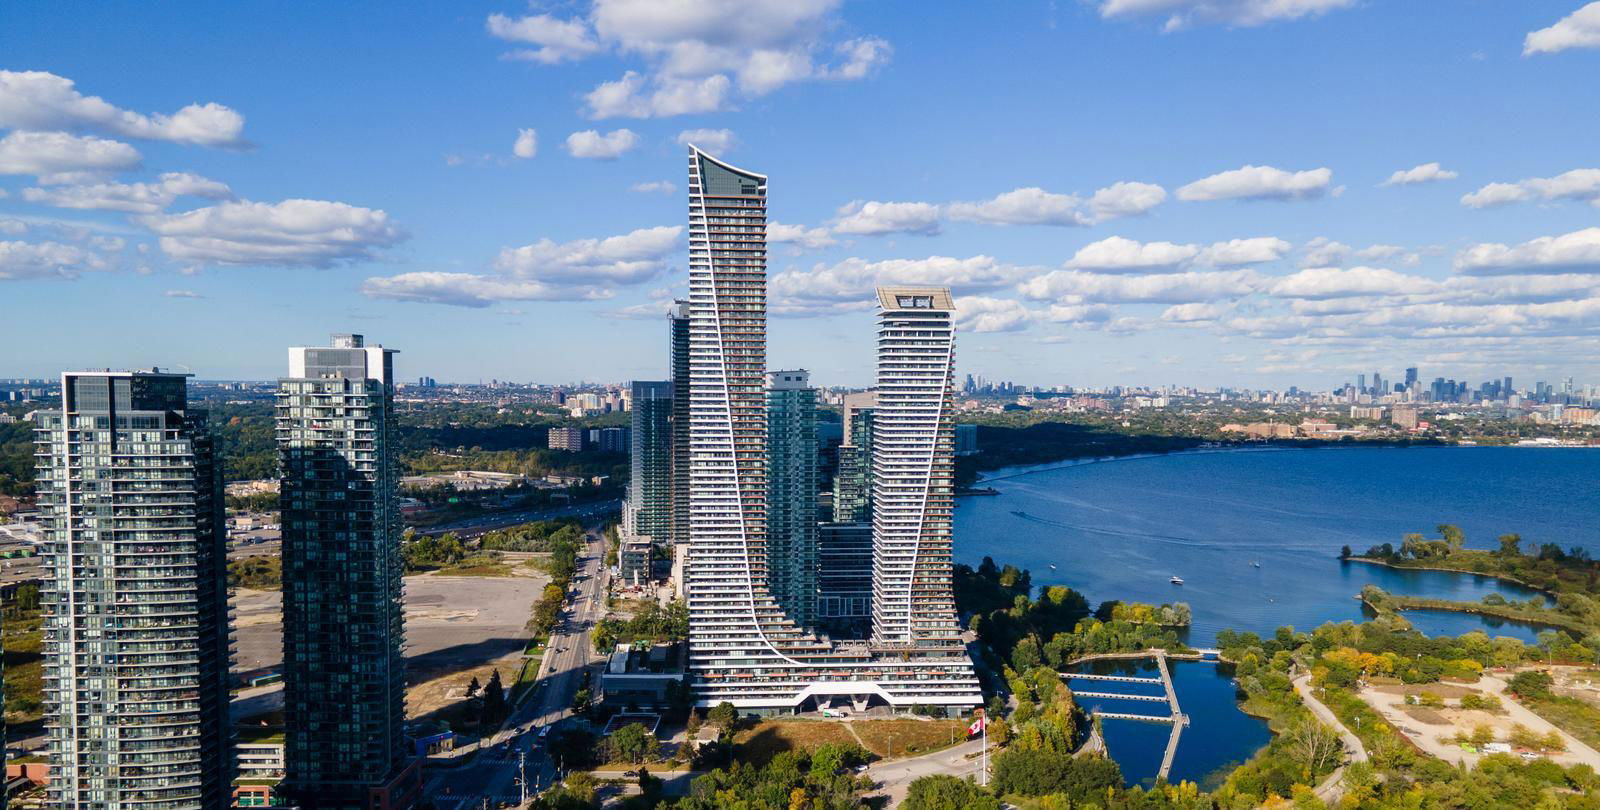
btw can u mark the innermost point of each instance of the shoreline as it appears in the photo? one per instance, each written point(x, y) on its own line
point(1447, 606)
point(1501, 577)
point(1003, 473)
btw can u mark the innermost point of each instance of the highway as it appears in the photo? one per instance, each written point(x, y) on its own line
point(492, 772)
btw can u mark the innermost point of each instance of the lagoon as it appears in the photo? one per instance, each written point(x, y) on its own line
point(1120, 528)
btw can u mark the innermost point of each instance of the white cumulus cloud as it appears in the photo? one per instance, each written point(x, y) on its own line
point(716, 141)
point(37, 100)
point(1244, 13)
point(1117, 254)
point(1580, 29)
point(558, 40)
point(626, 259)
point(1426, 173)
point(1334, 282)
point(822, 289)
point(1076, 286)
point(983, 314)
point(1236, 252)
point(20, 261)
point(301, 233)
point(1576, 252)
point(696, 53)
point(579, 270)
point(872, 218)
point(593, 145)
point(1495, 194)
point(1035, 206)
point(800, 235)
point(1259, 183)
point(133, 198)
point(526, 145)
point(1582, 185)
point(63, 157)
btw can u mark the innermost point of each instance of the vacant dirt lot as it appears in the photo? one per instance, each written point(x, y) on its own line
point(1433, 729)
point(450, 623)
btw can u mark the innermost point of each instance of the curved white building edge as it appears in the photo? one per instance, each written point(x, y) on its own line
point(742, 648)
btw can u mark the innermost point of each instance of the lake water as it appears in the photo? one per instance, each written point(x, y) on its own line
point(1219, 737)
point(1119, 529)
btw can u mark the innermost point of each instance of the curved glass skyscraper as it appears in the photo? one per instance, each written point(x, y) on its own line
point(743, 646)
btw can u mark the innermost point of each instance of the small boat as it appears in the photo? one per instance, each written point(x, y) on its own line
point(1255, 564)
point(1176, 580)
point(1052, 566)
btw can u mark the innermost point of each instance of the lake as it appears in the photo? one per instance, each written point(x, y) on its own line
point(1120, 528)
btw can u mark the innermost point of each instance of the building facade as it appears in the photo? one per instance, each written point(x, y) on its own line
point(135, 597)
point(792, 493)
point(852, 486)
point(913, 469)
point(678, 355)
point(844, 578)
point(649, 509)
point(343, 676)
point(565, 438)
point(743, 646)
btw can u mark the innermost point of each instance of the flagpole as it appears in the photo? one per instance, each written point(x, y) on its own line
point(984, 727)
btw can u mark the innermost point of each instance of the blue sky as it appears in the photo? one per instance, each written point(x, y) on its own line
point(1199, 192)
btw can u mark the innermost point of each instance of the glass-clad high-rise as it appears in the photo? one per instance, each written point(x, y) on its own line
point(648, 513)
point(852, 487)
point(135, 597)
point(792, 493)
point(678, 330)
point(344, 680)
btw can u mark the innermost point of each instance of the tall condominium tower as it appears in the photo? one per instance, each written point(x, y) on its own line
point(135, 597)
point(852, 487)
point(792, 493)
point(913, 469)
point(344, 683)
point(743, 646)
point(649, 509)
point(678, 328)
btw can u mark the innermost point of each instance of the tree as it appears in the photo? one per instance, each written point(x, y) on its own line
point(1452, 536)
point(1041, 772)
point(494, 699)
point(945, 792)
point(1482, 735)
point(634, 742)
point(472, 688)
point(1314, 745)
point(723, 716)
point(1510, 545)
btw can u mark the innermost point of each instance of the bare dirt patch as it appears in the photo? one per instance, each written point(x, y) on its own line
point(1450, 691)
point(1422, 714)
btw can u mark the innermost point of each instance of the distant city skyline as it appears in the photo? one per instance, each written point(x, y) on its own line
point(1115, 192)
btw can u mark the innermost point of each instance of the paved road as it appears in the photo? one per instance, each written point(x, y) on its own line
point(492, 773)
point(483, 525)
point(895, 776)
point(1332, 788)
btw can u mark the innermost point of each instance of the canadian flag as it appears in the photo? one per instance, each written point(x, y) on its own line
point(977, 726)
